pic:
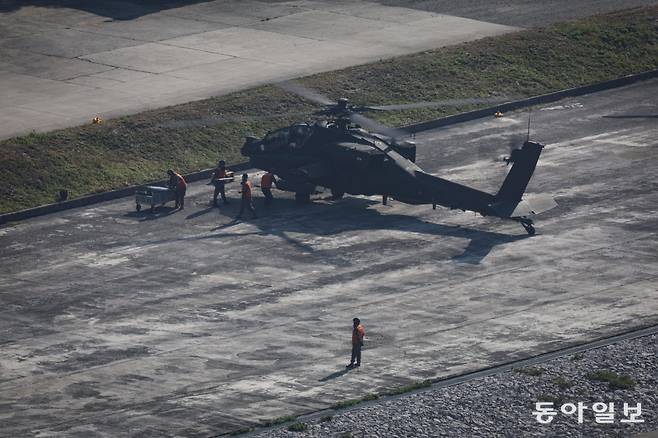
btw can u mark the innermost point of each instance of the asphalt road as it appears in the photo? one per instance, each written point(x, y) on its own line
point(117, 323)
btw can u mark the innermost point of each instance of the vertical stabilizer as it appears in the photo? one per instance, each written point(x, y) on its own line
point(524, 162)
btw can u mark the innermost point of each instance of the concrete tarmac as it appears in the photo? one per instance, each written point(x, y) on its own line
point(63, 62)
point(118, 323)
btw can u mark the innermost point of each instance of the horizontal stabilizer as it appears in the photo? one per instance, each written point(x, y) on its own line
point(532, 205)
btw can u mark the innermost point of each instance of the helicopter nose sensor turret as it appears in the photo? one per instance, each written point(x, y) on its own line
point(250, 145)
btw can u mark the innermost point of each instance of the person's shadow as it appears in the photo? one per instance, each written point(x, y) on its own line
point(336, 375)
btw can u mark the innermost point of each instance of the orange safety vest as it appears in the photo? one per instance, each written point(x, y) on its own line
point(266, 181)
point(180, 181)
point(220, 173)
point(358, 334)
point(246, 190)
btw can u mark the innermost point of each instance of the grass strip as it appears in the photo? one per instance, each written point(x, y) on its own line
point(135, 149)
point(614, 380)
point(411, 387)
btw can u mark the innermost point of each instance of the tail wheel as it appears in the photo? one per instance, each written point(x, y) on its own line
point(529, 228)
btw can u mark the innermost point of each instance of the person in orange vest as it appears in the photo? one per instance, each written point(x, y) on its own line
point(218, 181)
point(266, 187)
point(177, 183)
point(358, 333)
point(246, 197)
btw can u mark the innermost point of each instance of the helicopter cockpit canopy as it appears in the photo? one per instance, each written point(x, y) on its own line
point(292, 137)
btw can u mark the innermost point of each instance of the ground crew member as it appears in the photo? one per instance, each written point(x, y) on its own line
point(246, 197)
point(177, 183)
point(216, 179)
point(358, 333)
point(266, 187)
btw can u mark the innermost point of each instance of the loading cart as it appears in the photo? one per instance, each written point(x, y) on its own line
point(153, 195)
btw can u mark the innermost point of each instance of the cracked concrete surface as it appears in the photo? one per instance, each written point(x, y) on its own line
point(117, 323)
point(62, 63)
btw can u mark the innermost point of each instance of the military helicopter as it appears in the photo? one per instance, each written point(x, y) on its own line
point(337, 153)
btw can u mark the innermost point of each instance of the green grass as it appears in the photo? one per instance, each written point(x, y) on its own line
point(346, 403)
point(408, 388)
point(529, 371)
point(278, 420)
point(578, 356)
point(240, 431)
point(139, 148)
point(562, 383)
point(615, 381)
point(297, 427)
point(352, 402)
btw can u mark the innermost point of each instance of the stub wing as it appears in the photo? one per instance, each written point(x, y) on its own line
point(313, 171)
point(302, 179)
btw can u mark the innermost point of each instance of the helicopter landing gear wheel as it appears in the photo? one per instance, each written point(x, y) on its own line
point(303, 198)
point(529, 228)
point(336, 194)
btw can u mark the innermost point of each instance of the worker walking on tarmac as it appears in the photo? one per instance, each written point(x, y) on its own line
point(179, 186)
point(358, 333)
point(218, 179)
point(246, 197)
point(266, 187)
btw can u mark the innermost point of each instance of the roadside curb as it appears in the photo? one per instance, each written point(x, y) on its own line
point(536, 100)
point(411, 129)
point(105, 196)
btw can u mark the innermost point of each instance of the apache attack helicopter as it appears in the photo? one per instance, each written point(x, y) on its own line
point(338, 154)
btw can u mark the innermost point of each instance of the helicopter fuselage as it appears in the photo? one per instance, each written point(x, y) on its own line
point(345, 160)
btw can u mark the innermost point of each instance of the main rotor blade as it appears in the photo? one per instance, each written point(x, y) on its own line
point(215, 120)
point(438, 103)
point(306, 93)
point(377, 127)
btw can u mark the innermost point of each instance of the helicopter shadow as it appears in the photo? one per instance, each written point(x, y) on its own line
point(329, 219)
point(341, 372)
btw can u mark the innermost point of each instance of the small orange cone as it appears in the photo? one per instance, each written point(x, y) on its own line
point(498, 114)
point(97, 120)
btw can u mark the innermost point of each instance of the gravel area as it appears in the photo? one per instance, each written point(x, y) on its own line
point(503, 404)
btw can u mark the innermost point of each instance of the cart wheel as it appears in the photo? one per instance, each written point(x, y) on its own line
point(138, 207)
